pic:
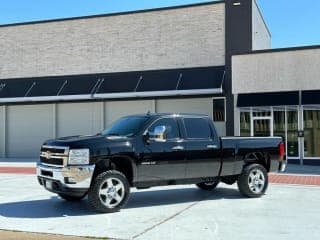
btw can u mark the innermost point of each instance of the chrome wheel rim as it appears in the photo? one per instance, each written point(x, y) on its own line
point(256, 181)
point(111, 192)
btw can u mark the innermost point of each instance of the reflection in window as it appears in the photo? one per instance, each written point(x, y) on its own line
point(311, 133)
point(219, 110)
point(292, 143)
point(245, 124)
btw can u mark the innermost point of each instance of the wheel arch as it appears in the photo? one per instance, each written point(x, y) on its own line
point(121, 163)
point(258, 158)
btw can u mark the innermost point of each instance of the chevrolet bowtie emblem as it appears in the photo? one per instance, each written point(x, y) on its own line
point(47, 155)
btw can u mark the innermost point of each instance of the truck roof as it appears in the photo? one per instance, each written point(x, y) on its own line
point(169, 114)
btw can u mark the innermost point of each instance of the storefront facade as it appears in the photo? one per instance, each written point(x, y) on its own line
point(281, 99)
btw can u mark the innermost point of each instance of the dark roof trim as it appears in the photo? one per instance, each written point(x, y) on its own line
point(113, 14)
point(274, 50)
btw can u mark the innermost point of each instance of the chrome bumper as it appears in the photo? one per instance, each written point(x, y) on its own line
point(283, 165)
point(71, 177)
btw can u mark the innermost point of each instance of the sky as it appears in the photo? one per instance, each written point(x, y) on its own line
point(291, 22)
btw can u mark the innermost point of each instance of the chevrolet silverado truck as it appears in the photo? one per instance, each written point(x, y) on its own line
point(149, 150)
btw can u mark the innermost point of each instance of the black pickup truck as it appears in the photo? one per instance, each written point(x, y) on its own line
point(149, 150)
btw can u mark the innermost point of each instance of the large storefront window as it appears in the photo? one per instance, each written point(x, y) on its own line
point(278, 121)
point(279, 124)
point(245, 127)
point(311, 133)
point(292, 133)
point(261, 128)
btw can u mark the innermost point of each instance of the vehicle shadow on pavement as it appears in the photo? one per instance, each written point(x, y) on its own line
point(175, 196)
point(44, 208)
point(55, 207)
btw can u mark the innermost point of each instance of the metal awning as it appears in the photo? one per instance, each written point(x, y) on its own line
point(268, 99)
point(153, 83)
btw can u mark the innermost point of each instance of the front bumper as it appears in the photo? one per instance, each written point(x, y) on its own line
point(72, 180)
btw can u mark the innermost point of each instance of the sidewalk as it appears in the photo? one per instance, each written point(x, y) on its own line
point(18, 165)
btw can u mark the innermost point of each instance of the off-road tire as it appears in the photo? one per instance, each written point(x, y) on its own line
point(95, 199)
point(247, 185)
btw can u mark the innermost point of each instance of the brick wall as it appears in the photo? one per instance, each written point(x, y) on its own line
point(175, 38)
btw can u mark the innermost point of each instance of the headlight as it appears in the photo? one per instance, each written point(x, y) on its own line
point(78, 156)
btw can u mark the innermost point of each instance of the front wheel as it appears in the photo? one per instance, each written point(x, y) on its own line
point(109, 192)
point(208, 186)
point(253, 182)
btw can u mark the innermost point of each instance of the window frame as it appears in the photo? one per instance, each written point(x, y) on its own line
point(166, 117)
point(225, 109)
point(206, 119)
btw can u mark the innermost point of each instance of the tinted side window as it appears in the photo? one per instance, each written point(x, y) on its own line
point(197, 128)
point(172, 130)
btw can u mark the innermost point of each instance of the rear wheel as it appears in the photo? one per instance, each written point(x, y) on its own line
point(253, 182)
point(109, 192)
point(208, 185)
point(71, 198)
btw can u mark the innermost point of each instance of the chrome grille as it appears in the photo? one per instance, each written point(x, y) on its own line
point(54, 155)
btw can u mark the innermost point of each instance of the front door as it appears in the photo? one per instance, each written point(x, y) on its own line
point(163, 159)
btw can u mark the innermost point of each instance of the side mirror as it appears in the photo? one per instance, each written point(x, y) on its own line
point(159, 133)
point(146, 137)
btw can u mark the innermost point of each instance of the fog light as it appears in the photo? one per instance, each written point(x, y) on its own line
point(70, 180)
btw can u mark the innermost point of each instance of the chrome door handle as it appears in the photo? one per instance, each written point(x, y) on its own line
point(178, 148)
point(212, 146)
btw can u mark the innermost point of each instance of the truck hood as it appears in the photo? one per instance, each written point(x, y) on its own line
point(86, 141)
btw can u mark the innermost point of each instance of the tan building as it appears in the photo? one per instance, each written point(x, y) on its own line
point(76, 76)
point(278, 94)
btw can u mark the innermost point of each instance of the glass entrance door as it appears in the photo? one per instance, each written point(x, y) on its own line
point(311, 122)
point(292, 140)
point(278, 121)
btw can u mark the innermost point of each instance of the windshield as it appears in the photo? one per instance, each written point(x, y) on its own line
point(127, 126)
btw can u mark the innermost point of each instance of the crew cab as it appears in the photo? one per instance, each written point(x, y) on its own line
point(149, 150)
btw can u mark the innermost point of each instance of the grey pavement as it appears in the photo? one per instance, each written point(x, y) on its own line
point(177, 212)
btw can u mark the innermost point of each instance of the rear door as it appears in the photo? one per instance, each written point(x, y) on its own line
point(202, 148)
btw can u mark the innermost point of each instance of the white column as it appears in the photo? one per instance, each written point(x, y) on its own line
point(54, 120)
point(103, 115)
point(154, 105)
point(4, 135)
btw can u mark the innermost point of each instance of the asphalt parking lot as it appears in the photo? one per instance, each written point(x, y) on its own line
point(178, 212)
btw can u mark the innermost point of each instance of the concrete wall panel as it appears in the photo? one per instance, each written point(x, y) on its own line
point(28, 127)
point(189, 105)
point(276, 71)
point(78, 119)
point(117, 109)
point(176, 38)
